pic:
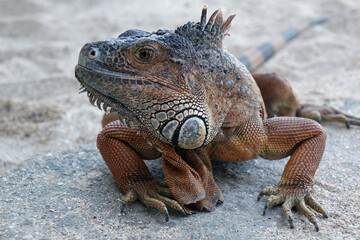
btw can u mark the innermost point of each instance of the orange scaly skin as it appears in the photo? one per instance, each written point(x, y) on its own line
point(180, 95)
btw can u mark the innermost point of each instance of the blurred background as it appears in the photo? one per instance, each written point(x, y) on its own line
point(41, 110)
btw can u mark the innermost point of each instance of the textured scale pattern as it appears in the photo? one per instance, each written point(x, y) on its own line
point(181, 96)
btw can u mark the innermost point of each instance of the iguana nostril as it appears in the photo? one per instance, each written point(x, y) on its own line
point(93, 53)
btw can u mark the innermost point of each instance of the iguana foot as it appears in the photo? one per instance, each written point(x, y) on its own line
point(288, 202)
point(157, 195)
point(326, 114)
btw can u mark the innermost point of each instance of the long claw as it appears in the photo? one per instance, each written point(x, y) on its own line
point(166, 214)
point(309, 200)
point(155, 203)
point(183, 212)
point(286, 209)
point(347, 123)
point(170, 203)
point(266, 207)
point(316, 226)
point(273, 200)
point(325, 215)
point(319, 120)
point(123, 206)
point(300, 205)
point(130, 197)
point(291, 222)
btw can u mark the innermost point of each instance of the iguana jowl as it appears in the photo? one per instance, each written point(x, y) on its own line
point(183, 97)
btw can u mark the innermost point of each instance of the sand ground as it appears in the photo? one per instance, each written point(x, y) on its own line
point(41, 111)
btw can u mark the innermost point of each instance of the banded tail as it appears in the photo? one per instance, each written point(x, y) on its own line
point(256, 56)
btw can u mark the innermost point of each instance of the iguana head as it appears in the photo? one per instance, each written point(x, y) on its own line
point(157, 79)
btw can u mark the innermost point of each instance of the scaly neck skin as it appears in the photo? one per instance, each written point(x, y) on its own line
point(227, 83)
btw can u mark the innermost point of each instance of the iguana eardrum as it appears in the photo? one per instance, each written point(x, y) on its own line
point(180, 95)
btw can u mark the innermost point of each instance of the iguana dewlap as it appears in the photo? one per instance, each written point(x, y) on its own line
point(180, 95)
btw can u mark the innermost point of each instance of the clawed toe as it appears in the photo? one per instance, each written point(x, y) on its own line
point(259, 196)
point(183, 212)
point(300, 205)
point(327, 114)
point(291, 222)
point(347, 123)
point(123, 206)
point(130, 197)
point(167, 216)
point(288, 202)
point(266, 207)
point(273, 200)
point(309, 200)
point(158, 198)
point(270, 190)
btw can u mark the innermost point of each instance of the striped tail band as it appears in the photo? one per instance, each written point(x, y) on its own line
point(254, 57)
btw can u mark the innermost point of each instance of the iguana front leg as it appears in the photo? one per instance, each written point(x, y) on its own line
point(189, 176)
point(123, 149)
point(275, 138)
point(305, 141)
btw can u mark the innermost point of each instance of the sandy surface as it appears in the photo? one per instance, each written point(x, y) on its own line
point(41, 111)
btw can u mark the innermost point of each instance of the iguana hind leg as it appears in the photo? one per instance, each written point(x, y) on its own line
point(279, 97)
point(281, 100)
point(123, 149)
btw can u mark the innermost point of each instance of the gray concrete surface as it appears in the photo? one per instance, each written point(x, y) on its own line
point(71, 195)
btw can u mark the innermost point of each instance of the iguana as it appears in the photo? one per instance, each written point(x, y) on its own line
point(181, 96)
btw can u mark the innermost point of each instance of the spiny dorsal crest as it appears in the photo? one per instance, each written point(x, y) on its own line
point(214, 27)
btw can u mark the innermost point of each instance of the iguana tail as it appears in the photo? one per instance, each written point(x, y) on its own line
point(269, 83)
point(256, 56)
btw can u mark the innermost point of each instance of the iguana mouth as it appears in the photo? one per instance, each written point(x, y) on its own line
point(102, 101)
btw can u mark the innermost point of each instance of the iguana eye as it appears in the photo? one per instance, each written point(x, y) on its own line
point(146, 54)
